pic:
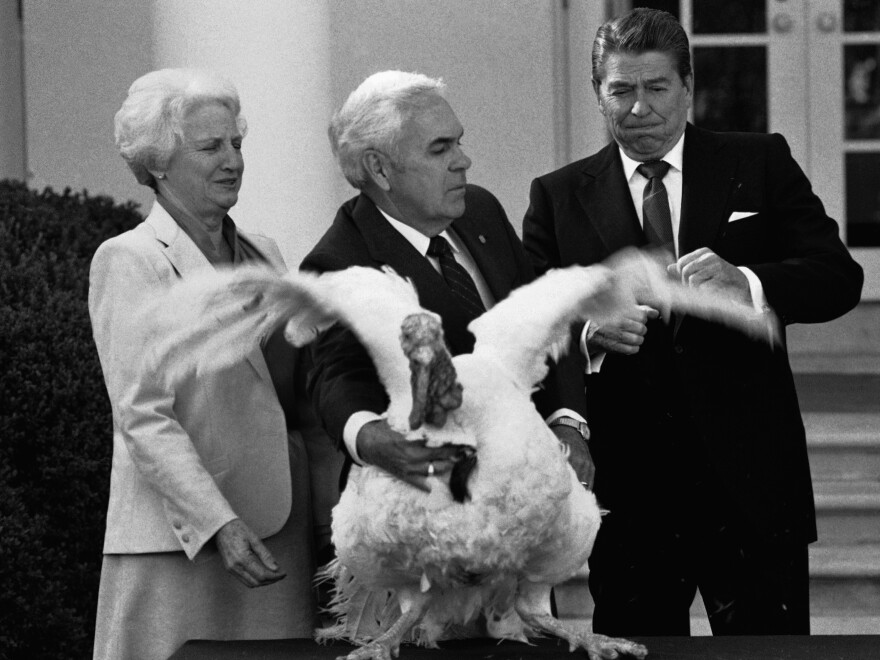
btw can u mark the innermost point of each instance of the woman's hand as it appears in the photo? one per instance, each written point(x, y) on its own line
point(245, 556)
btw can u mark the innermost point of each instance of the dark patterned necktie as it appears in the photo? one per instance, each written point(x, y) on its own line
point(458, 279)
point(655, 205)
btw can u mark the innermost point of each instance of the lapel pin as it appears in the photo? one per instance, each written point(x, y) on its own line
point(482, 239)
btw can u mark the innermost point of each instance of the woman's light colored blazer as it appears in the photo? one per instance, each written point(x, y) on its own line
point(185, 462)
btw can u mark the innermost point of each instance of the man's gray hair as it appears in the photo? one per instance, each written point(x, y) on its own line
point(372, 117)
point(149, 125)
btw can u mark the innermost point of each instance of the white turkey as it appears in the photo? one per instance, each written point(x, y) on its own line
point(423, 567)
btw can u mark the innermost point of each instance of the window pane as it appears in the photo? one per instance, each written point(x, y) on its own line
point(862, 94)
point(861, 15)
point(726, 17)
point(863, 199)
point(730, 88)
point(666, 5)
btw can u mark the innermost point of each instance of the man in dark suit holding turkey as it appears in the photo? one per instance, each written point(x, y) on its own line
point(697, 437)
point(398, 141)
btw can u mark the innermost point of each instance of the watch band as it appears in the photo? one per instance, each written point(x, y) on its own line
point(580, 427)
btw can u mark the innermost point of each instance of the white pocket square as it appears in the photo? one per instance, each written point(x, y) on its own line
point(739, 215)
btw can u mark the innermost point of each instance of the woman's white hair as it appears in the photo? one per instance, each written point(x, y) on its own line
point(149, 125)
point(372, 116)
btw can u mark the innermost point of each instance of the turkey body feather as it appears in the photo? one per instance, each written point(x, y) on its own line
point(528, 518)
point(422, 566)
point(517, 489)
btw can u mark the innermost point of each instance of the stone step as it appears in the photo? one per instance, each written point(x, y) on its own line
point(868, 624)
point(573, 599)
point(838, 393)
point(840, 363)
point(845, 581)
point(855, 333)
point(847, 512)
point(819, 625)
point(574, 602)
point(843, 446)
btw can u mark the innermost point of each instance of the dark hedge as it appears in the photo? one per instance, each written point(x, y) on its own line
point(55, 426)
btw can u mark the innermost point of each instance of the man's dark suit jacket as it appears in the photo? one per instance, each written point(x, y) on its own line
point(343, 380)
point(703, 402)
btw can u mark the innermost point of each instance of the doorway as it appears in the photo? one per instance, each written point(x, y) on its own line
point(810, 70)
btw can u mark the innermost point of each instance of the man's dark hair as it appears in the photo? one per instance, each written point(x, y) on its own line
point(639, 31)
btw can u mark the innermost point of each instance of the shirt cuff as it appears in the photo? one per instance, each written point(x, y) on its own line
point(756, 289)
point(594, 362)
point(351, 430)
point(564, 412)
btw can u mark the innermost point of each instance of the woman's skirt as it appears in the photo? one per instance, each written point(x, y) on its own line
point(150, 604)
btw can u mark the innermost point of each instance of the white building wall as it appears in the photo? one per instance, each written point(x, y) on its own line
point(293, 63)
point(80, 58)
point(278, 55)
point(12, 160)
point(496, 60)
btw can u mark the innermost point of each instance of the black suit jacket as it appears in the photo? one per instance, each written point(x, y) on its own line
point(343, 379)
point(704, 403)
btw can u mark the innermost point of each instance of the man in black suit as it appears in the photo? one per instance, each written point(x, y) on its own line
point(697, 437)
point(398, 141)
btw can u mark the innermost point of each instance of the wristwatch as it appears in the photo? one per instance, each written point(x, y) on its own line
point(581, 427)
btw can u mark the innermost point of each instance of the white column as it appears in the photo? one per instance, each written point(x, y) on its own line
point(277, 53)
point(588, 132)
point(12, 151)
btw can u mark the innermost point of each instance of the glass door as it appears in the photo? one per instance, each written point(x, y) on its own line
point(844, 113)
point(809, 69)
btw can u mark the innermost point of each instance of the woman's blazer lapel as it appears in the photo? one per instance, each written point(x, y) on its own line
point(184, 256)
point(188, 261)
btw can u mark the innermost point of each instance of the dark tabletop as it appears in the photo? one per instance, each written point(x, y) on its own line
point(817, 647)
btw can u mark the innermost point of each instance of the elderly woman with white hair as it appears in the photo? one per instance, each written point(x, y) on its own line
point(209, 522)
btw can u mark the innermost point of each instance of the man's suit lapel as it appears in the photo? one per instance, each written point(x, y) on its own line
point(709, 174)
point(387, 246)
point(484, 254)
point(709, 177)
point(709, 180)
point(188, 261)
point(605, 198)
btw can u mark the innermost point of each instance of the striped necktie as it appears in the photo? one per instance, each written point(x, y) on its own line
point(656, 217)
point(458, 279)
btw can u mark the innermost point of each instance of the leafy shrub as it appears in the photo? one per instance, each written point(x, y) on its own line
point(55, 425)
